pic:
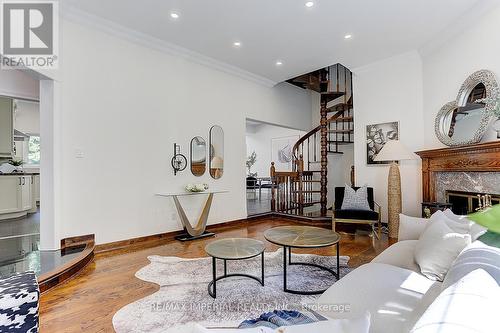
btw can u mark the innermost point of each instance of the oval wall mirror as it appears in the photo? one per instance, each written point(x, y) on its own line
point(198, 156)
point(216, 152)
point(465, 120)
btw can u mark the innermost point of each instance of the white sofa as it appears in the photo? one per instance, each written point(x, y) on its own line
point(391, 287)
point(390, 294)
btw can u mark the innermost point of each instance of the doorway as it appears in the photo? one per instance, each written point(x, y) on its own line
point(266, 143)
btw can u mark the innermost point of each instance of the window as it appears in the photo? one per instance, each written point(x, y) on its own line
point(34, 150)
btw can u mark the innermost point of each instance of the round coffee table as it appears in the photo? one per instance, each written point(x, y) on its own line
point(303, 237)
point(233, 249)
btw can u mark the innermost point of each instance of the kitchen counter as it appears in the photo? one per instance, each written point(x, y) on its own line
point(21, 174)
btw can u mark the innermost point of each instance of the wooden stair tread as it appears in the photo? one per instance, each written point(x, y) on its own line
point(339, 107)
point(306, 191)
point(331, 95)
point(341, 131)
point(346, 119)
point(341, 143)
point(307, 203)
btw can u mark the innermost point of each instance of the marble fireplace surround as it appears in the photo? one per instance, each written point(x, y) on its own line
point(473, 168)
point(473, 182)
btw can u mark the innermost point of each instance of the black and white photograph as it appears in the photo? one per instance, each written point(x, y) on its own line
point(376, 137)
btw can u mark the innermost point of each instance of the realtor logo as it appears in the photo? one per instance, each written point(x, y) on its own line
point(28, 34)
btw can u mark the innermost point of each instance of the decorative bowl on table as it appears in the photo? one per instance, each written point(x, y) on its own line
point(196, 187)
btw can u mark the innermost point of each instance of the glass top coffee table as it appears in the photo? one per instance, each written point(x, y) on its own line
point(303, 237)
point(233, 249)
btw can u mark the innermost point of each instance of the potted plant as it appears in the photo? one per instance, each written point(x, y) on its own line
point(490, 219)
point(17, 163)
point(251, 160)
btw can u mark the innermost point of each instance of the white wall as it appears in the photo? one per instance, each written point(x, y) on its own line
point(258, 139)
point(14, 83)
point(122, 108)
point(447, 67)
point(386, 91)
point(339, 170)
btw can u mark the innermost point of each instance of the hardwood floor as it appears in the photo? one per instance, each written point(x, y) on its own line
point(87, 302)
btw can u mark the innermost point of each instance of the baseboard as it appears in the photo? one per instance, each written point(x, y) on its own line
point(144, 241)
point(77, 241)
point(159, 239)
point(13, 216)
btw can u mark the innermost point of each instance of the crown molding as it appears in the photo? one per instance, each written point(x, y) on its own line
point(76, 15)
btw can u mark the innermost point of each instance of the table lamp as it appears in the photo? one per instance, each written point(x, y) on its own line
point(394, 151)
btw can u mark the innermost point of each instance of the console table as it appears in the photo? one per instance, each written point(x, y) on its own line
point(198, 231)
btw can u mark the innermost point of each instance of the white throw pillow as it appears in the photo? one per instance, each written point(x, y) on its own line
point(410, 228)
point(475, 231)
point(476, 255)
point(355, 199)
point(459, 227)
point(469, 305)
point(356, 325)
point(437, 248)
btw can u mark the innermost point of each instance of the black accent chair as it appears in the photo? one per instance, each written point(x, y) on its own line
point(370, 217)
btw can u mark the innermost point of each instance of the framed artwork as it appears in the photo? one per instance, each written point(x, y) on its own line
point(376, 137)
point(281, 152)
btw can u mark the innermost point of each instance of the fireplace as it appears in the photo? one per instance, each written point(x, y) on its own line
point(467, 202)
point(462, 172)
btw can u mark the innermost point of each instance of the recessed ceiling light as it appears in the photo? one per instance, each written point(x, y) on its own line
point(174, 15)
point(237, 43)
point(279, 62)
point(348, 36)
point(309, 4)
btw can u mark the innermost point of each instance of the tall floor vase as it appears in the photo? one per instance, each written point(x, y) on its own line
point(394, 199)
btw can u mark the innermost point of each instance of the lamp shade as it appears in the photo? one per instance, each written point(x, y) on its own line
point(394, 150)
point(217, 163)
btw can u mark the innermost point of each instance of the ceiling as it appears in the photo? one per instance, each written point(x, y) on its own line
point(303, 39)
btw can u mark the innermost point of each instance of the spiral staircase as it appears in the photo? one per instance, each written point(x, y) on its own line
point(303, 190)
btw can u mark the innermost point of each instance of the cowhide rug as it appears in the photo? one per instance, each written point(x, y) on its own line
point(183, 296)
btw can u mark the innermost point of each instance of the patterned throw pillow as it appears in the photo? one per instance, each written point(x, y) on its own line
point(355, 200)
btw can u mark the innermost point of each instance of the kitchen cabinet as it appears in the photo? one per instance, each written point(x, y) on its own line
point(17, 196)
point(10, 193)
point(6, 127)
point(36, 183)
point(26, 198)
point(35, 193)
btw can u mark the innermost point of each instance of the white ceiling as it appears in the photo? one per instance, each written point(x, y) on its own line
point(304, 39)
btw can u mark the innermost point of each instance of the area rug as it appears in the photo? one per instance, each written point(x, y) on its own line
point(183, 296)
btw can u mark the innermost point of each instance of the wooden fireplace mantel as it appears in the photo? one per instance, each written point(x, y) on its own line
point(482, 157)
